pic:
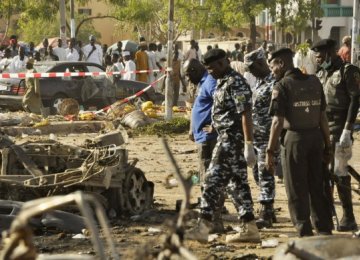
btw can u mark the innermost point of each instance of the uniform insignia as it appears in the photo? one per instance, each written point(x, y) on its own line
point(307, 110)
point(275, 94)
point(320, 73)
point(241, 98)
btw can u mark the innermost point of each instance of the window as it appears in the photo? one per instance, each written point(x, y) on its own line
point(84, 11)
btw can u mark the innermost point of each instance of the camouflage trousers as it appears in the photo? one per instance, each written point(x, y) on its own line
point(266, 179)
point(227, 172)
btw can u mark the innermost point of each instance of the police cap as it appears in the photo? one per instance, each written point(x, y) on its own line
point(214, 55)
point(280, 52)
point(324, 45)
point(253, 56)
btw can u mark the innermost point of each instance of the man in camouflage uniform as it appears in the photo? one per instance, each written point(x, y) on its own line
point(261, 97)
point(231, 118)
point(341, 82)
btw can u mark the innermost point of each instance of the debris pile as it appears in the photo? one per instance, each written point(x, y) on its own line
point(101, 166)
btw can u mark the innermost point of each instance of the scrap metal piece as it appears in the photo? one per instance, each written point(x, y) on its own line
point(319, 247)
point(18, 244)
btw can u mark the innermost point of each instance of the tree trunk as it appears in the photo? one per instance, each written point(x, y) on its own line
point(252, 30)
point(8, 19)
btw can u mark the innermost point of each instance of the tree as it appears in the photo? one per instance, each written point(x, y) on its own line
point(7, 9)
point(293, 16)
point(39, 18)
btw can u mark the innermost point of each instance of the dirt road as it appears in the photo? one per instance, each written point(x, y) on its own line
point(131, 235)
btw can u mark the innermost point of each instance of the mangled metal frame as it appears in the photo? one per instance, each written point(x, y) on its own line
point(46, 167)
point(18, 242)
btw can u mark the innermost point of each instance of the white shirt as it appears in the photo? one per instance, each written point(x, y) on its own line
point(96, 56)
point(71, 55)
point(60, 52)
point(129, 66)
point(306, 63)
point(120, 66)
point(160, 56)
point(4, 63)
point(152, 64)
point(18, 65)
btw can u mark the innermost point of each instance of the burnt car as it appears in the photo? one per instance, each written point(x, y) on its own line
point(92, 92)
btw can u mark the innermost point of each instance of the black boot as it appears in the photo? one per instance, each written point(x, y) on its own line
point(266, 216)
point(347, 222)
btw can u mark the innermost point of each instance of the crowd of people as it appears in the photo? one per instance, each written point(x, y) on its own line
point(294, 116)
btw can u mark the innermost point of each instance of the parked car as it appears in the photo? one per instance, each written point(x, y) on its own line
point(91, 92)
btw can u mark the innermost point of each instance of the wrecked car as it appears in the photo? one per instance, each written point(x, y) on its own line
point(100, 167)
point(90, 92)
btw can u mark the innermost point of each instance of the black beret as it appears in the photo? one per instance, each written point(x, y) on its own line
point(214, 55)
point(279, 52)
point(324, 45)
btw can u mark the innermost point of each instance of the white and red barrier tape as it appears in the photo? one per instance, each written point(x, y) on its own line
point(23, 75)
point(126, 100)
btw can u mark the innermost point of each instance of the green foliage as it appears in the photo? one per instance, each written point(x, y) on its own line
point(40, 18)
point(177, 125)
point(294, 15)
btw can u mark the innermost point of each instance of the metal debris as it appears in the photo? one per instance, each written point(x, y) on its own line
point(18, 243)
point(101, 167)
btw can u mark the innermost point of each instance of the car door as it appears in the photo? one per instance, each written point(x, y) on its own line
point(61, 87)
point(106, 93)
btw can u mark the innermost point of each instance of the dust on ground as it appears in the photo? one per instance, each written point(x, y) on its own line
point(131, 235)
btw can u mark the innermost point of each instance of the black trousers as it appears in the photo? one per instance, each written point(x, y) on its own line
point(303, 175)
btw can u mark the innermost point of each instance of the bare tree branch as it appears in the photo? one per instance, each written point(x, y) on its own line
point(93, 18)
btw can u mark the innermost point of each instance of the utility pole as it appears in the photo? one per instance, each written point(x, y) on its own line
point(62, 21)
point(169, 92)
point(355, 32)
point(201, 30)
point(72, 19)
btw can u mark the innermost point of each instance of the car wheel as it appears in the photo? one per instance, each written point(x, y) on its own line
point(56, 101)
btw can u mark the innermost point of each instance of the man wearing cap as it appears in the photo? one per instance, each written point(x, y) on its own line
point(32, 99)
point(234, 151)
point(92, 51)
point(130, 66)
point(341, 83)
point(261, 97)
point(298, 106)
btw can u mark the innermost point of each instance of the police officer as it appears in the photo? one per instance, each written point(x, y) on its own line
point(231, 118)
point(298, 105)
point(341, 82)
point(256, 63)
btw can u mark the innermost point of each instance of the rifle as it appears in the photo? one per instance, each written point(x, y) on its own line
point(329, 189)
